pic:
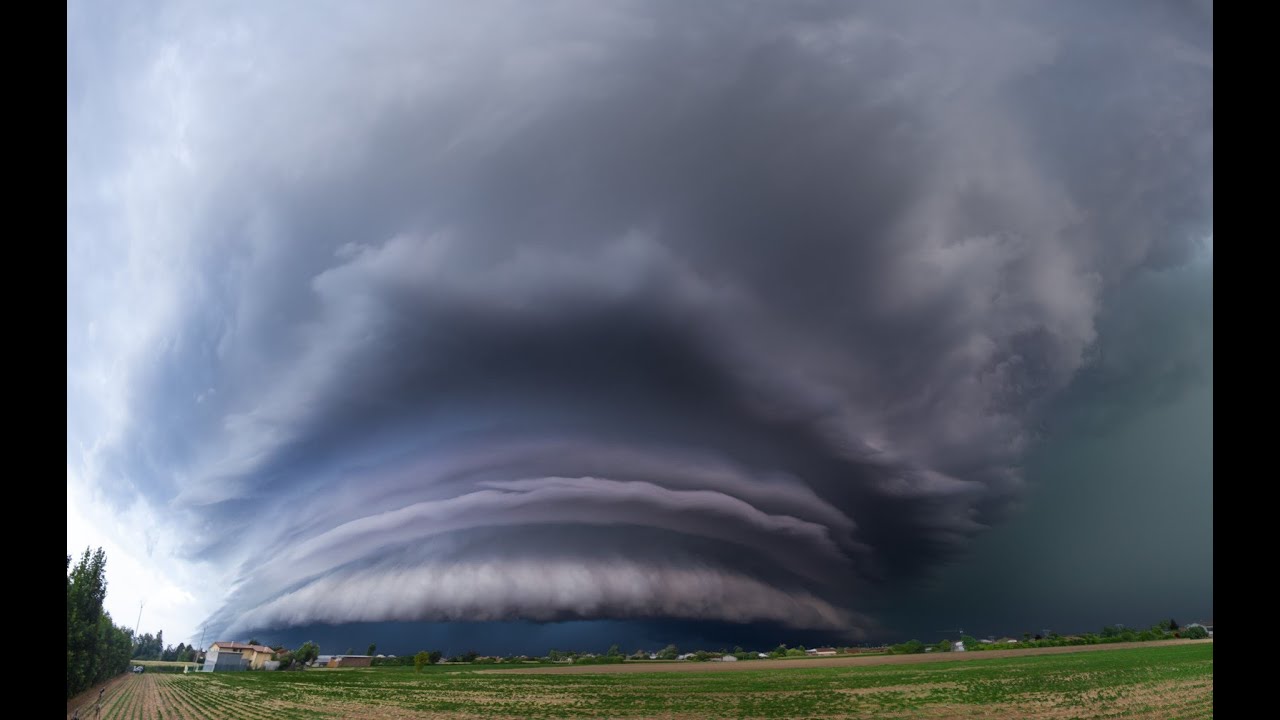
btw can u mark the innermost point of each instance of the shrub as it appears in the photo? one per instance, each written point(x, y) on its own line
point(600, 660)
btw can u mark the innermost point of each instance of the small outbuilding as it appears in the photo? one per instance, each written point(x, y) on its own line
point(350, 661)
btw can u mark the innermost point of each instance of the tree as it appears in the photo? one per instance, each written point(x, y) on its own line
point(255, 641)
point(307, 653)
point(668, 653)
point(422, 658)
point(614, 651)
point(1173, 626)
point(434, 657)
point(97, 649)
point(373, 648)
point(1195, 632)
point(737, 649)
point(908, 647)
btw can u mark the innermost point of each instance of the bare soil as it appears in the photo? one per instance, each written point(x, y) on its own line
point(85, 700)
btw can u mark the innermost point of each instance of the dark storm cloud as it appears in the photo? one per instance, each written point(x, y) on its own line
point(795, 281)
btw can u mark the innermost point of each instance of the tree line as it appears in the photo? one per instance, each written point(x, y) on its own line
point(97, 648)
point(1162, 630)
point(147, 647)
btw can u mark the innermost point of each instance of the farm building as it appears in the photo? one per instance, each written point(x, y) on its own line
point(350, 661)
point(729, 658)
point(231, 656)
point(822, 651)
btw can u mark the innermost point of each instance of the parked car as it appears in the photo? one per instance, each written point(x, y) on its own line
point(138, 668)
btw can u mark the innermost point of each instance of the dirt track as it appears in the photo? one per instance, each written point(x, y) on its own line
point(85, 700)
point(834, 661)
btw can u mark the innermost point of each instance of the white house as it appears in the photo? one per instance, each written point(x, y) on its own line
point(957, 646)
point(729, 658)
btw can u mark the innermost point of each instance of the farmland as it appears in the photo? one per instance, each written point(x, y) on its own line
point(1160, 681)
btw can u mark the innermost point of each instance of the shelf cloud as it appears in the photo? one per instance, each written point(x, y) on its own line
point(723, 311)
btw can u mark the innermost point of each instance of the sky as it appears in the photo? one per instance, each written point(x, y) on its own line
point(507, 326)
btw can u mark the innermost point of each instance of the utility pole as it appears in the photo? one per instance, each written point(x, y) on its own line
point(139, 622)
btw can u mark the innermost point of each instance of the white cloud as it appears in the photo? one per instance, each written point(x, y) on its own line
point(178, 595)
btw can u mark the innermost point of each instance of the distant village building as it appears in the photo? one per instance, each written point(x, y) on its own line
point(957, 646)
point(823, 651)
point(729, 658)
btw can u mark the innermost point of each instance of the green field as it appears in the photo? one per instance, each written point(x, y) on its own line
point(1163, 682)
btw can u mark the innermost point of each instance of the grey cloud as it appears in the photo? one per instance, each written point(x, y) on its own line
point(801, 280)
point(499, 590)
